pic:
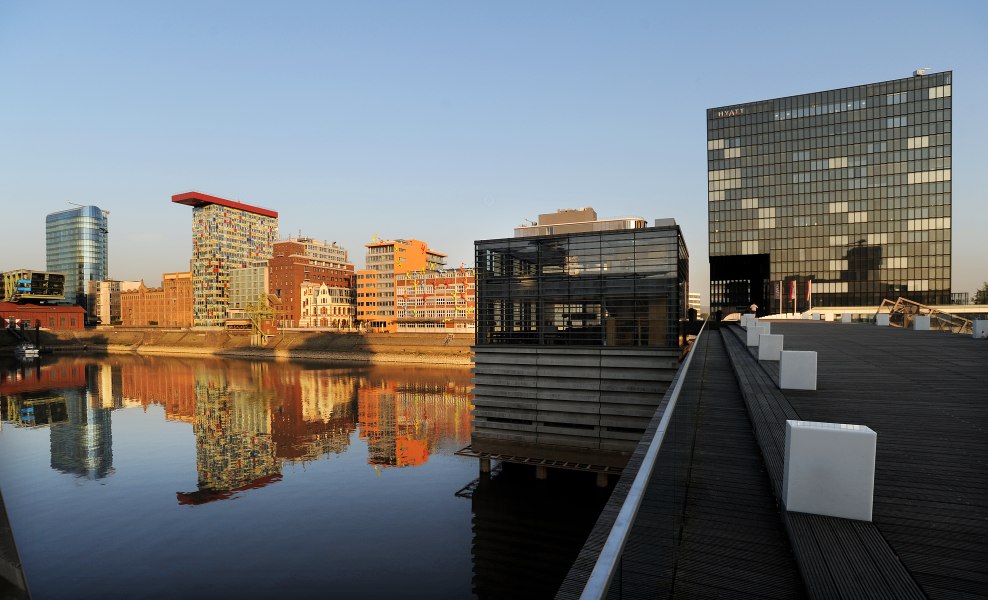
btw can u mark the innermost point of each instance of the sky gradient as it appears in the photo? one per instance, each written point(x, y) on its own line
point(442, 121)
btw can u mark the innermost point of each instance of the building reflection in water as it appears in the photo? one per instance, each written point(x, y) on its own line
point(405, 419)
point(249, 418)
point(527, 532)
point(60, 396)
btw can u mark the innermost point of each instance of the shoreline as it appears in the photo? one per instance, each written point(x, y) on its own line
point(436, 349)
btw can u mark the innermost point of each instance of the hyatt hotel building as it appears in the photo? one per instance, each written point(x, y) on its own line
point(844, 192)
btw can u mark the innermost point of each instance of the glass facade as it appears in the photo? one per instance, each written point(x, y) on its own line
point(847, 193)
point(623, 288)
point(76, 245)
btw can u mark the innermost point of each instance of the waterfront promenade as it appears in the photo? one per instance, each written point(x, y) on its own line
point(717, 528)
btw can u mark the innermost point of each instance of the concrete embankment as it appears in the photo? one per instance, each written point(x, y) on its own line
point(375, 348)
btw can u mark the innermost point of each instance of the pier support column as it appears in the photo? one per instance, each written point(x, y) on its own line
point(541, 472)
point(602, 480)
point(485, 466)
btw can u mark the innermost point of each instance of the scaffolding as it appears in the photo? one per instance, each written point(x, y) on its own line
point(902, 312)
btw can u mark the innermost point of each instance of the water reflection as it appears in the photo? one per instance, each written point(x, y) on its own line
point(249, 418)
point(344, 479)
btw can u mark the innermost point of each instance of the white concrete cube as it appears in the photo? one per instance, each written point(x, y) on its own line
point(807, 315)
point(829, 469)
point(921, 323)
point(754, 331)
point(980, 329)
point(828, 317)
point(769, 346)
point(882, 319)
point(845, 317)
point(816, 316)
point(797, 370)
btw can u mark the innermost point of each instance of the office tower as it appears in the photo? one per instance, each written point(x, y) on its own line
point(839, 198)
point(226, 235)
point(76, 245)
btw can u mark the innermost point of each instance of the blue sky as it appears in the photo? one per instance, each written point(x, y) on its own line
point(442, 121)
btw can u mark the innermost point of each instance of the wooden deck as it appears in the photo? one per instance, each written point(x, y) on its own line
point(709, 526)
point(926, 395)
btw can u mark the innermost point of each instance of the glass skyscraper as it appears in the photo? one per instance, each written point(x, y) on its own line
point(842, 196)
point(77, 246)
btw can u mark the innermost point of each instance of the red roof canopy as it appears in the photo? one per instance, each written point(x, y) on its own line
point(200, 199)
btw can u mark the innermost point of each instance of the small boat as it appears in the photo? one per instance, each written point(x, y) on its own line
point(26, 351)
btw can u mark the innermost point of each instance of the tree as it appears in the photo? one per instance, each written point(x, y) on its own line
point(981, 296)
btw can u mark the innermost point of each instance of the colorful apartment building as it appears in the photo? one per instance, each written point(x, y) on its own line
point(300, 260)
point(327, 307)
point(376, 283)
point(443, 300)
point(167, 306)
point(226, 235)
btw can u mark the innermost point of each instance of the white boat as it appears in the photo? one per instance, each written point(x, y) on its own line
point(26, 351)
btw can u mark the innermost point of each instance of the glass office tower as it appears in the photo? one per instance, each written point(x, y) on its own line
point(77, 246)
point(839, 198)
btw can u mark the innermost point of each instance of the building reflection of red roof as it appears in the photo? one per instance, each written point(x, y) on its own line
point(207, 495)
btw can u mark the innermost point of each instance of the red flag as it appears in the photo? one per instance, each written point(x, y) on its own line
point(792, 289)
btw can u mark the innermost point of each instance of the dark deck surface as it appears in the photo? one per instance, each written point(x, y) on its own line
point(709, 526)
point(926, 396)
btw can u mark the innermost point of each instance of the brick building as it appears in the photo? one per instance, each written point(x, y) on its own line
point(167, 306)
point(51, 316)
point(304, 260)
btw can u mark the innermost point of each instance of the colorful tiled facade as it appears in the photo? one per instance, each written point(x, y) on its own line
point(436, 300)
point(225, 235)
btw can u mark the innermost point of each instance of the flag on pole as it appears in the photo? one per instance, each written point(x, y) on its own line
point(792, 289)
point(778, 289)
point(809, 291)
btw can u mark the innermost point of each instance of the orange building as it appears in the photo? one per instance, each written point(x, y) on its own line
point(167, 306)
point(304, 260)
point(444, 300)
point(376, 283)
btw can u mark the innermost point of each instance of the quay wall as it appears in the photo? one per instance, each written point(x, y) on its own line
point(437, 349)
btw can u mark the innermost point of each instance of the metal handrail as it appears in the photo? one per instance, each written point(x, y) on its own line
point(610, 555)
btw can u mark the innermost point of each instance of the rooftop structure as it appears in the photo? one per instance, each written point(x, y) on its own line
point(846, 192)
point(576, 220)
